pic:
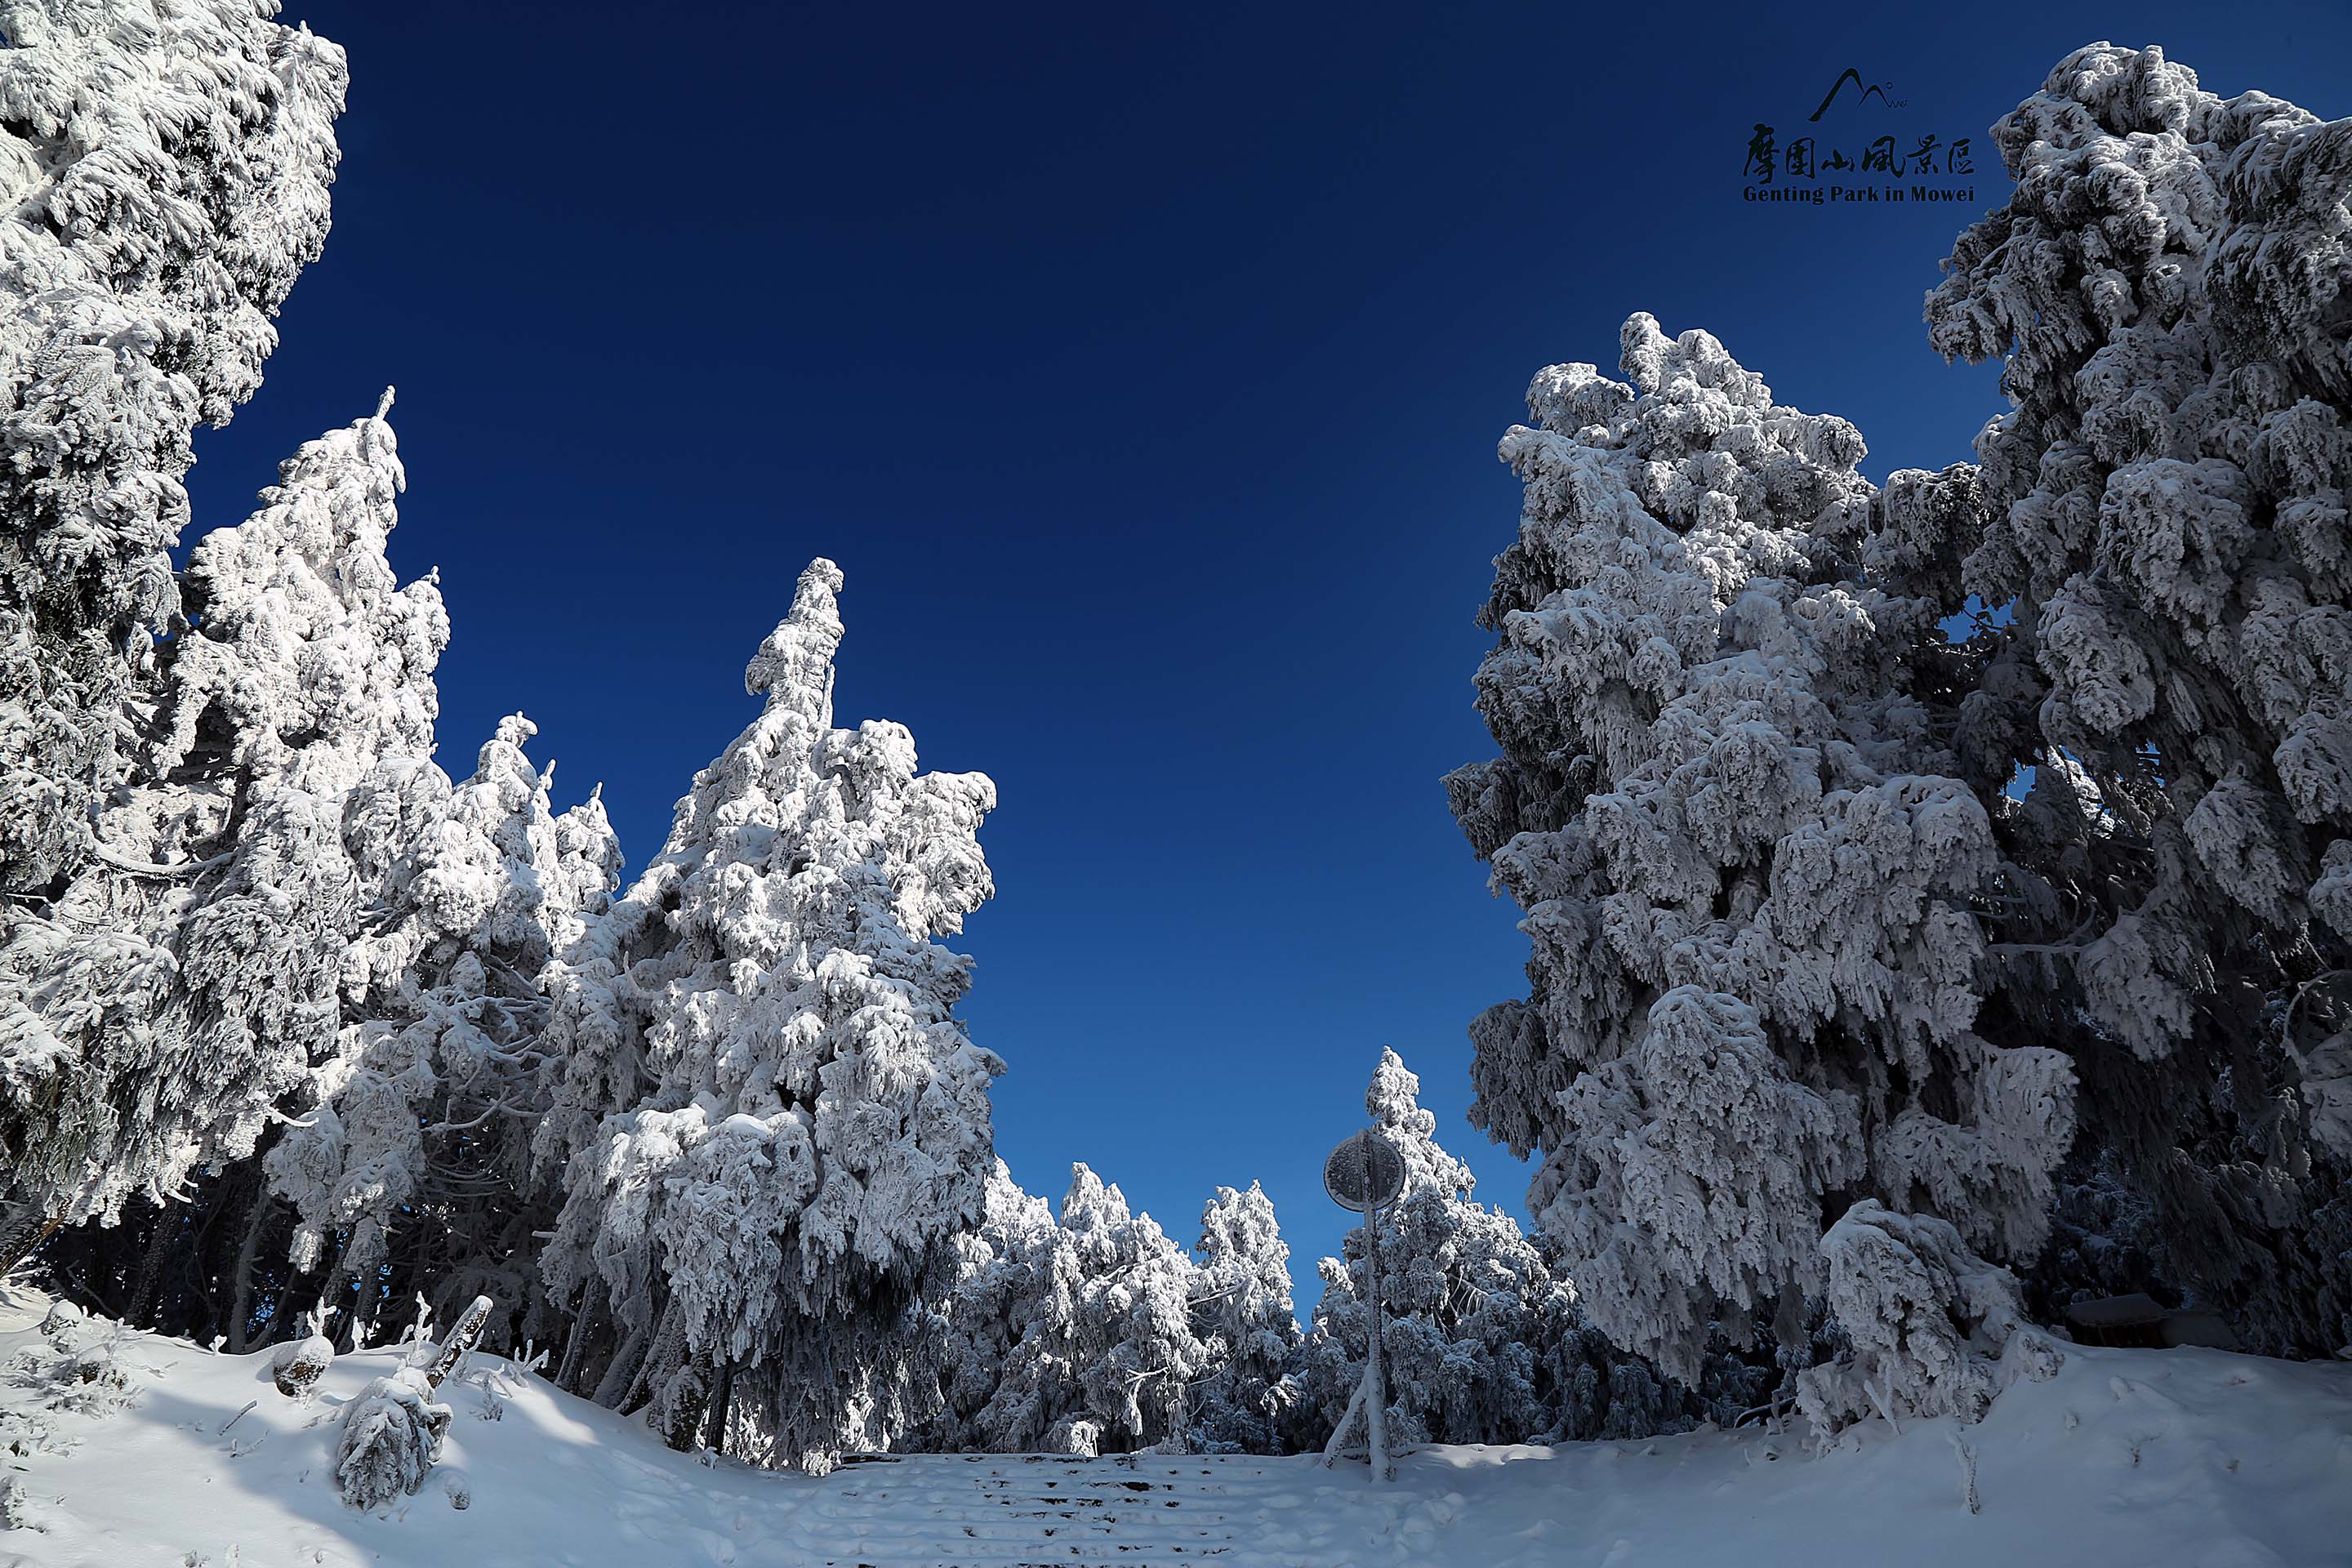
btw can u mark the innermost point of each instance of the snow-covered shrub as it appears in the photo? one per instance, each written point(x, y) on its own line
point(1934, 1329)
point(389, 1438)
point(770, 1123)
point(17, 1510)
point(83, 1373)
point(392, 1433)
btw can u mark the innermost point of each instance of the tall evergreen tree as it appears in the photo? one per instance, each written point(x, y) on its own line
point(1016, 1274)
point(165, 167)
point(2167, 529)
point(187, 976)
point(1242, 1301)
point(1483, 1342)
point(771, 1124)
point(1728, 804)
point(424, 1116)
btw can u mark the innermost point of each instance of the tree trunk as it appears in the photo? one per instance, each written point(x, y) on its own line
point(140, 1311)
point(687, 1393)
point(613, 1386)
point(249, 1253)
point(717, 1440)
point(463, 1338)
point(667, 1353)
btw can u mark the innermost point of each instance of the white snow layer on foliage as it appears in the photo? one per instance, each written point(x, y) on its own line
point(1483, 1341)
point(482, 886)
point(1932, 1329)
point(1069, 1336)
point(165, 165)
point(191, 967)
point(2167, 519)
point(1242, 1301)
point(2167, 285)
point(1745, 872)
point(771, 1124)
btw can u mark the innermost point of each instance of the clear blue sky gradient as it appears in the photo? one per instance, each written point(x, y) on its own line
point(1143, 371)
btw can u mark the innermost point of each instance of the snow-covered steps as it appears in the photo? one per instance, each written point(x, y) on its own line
point(1038, 1510)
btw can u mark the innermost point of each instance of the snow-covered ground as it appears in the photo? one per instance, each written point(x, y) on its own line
point(2183, 1458)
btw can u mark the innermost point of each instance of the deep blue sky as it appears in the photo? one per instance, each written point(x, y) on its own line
point(1144, 372)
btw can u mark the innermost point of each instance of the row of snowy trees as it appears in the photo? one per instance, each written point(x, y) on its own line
point(289, 1016)
point(1867, 956)
point(295, 1027)
point(1874, 970)
point(1098, 1332)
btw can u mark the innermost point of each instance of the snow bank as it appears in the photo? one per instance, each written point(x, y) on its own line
point(2185, 1457)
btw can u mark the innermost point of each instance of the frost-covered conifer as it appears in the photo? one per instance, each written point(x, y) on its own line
point(1135, 1348)
point(1096, 1333)
point(424, 1116)
point(1107, 1345)
point(165, 165)
point(1016, 1273)
point(2167, 527)
point(1241, 1300)
point(186, 977)
point(1727, 805)
point(392, 1433)
point(1480, 1333)
point(770, 1124)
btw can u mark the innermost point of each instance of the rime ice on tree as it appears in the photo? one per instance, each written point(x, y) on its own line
point(1729, 811)
point(165, 176)
point(1483, 1342)
point(771, 1124)
point(2167, 522)
point(1242, 1297)
point(198, 955)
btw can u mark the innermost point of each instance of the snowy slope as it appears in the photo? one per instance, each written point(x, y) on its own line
point(2194, 1459)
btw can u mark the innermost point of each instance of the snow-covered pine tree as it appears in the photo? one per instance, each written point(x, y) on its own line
point(1727, 805)
point(422, 1121)
point(2167, 527)
point(1135, 1348)
point(165, 167)
point(1016, 1273)
point(1098, 1312)
point(1241, 1303)
point(1479, 1331)
point(185, 977)
point(770, 1124)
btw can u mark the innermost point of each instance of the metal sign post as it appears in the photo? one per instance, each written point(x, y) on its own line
point(1363, 1175)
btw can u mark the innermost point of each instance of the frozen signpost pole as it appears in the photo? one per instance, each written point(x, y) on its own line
point(1363, 1173)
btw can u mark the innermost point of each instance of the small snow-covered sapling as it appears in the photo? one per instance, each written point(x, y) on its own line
point(390, 1435)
